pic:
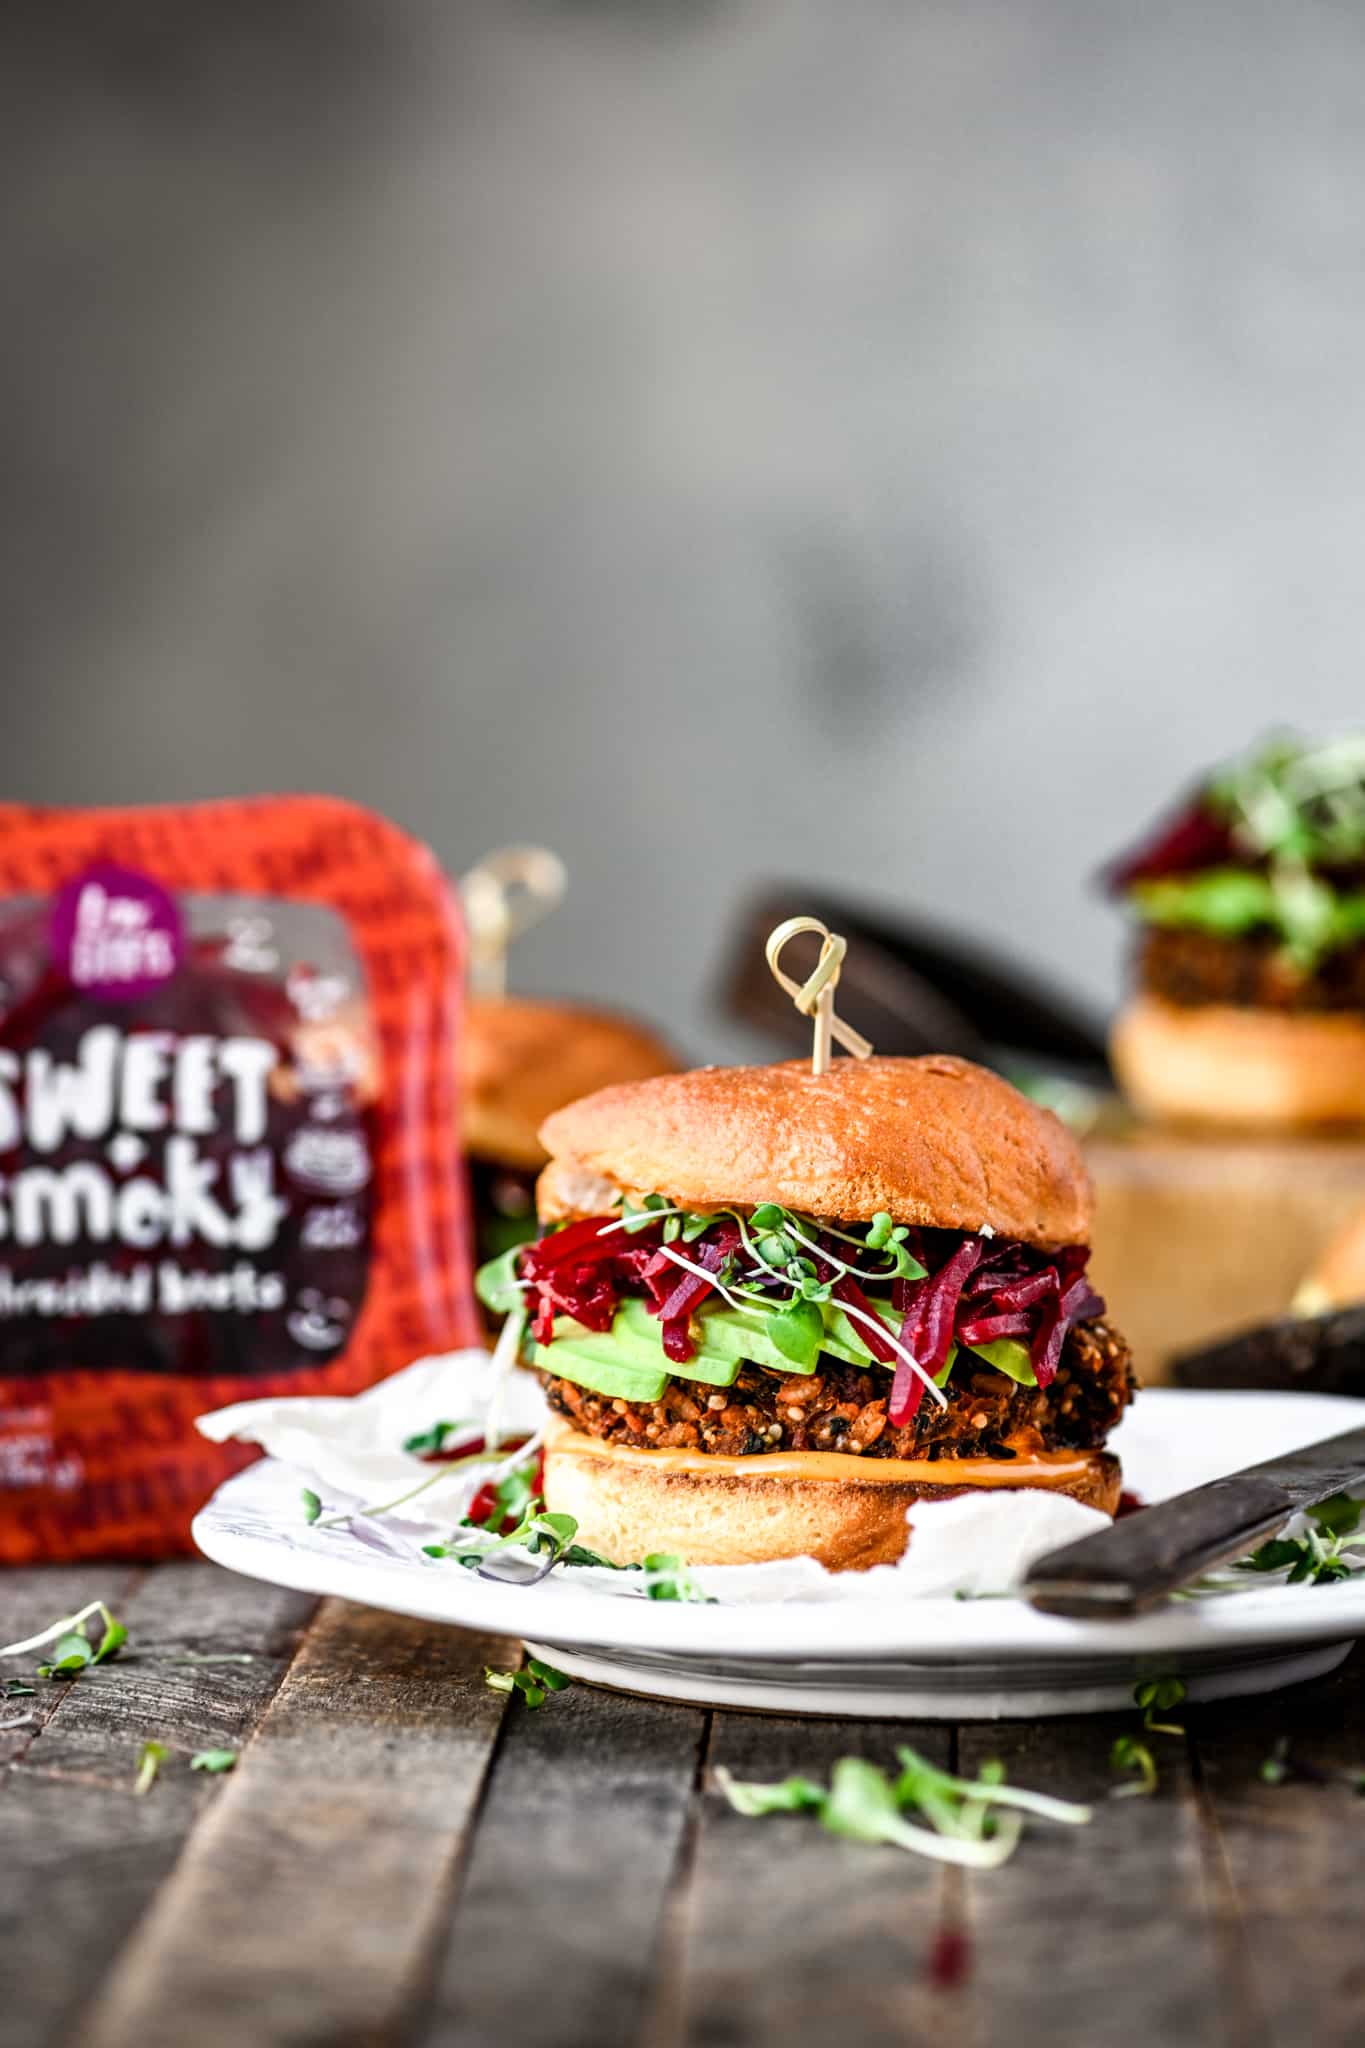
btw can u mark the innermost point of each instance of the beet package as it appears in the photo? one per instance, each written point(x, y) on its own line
point(228, 1153)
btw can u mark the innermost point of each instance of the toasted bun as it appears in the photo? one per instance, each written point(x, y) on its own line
point(1260, 1069)
point(1337, 1279)
point(629, 1503)
point(934, 1141)
point(520, 1060)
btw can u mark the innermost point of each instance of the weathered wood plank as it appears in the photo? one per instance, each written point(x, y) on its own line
point(1292, 1852)
point(564, 1893)
point(788, 1935)
point(1108, 1933)
point(316, 1886)
point(83, 1856)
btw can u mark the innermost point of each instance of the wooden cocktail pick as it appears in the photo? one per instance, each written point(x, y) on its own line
point(815, 996)
point(504, 894)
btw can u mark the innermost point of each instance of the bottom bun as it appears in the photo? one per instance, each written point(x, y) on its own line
point(848, 1513)
point(1215, 1064)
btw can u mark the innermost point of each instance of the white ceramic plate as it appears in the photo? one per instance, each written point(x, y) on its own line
point(922, 1657)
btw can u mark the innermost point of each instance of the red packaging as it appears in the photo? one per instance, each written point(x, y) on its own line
point(228, 1143)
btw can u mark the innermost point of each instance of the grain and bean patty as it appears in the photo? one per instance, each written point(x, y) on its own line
point(843, 1408)
point(1192, 967)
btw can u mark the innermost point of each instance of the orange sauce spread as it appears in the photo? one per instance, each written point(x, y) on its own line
point(1041, 1468)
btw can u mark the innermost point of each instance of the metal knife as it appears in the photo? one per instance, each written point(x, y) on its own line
point(1320, 1354)
point(1130, 1567)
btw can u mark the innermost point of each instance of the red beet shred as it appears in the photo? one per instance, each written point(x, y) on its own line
point(976, 1289)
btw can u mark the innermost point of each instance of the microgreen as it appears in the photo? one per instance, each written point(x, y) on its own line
point(74, 1651)
point(72, 1654)
point(497, 1285)
point(798, 1331)
point(512, 1496)
point(213, 1760)
point(15, 1689)
point(863, 1804)
point(312, 1505)
point(538, 1532)
point(1159, 1695)
point(426, 1442)
point(150, 1758)
point(1280, 1766)
point(533, 1683)
point(1338, 1515)
point(668, 1578)
point(552, 1536)
point(788, 1795)
point(1129, 1753)
point(1322, 1555)
point(386, 1507)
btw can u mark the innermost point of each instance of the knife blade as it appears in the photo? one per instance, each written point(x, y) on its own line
point(1128, 1568)
point(1323, 1354)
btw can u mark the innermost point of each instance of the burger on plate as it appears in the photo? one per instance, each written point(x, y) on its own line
point(773, 1309)
point(1250, 902)
point(520, 1060)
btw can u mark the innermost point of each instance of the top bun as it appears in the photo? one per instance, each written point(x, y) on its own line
point(519, 1060)
point(934, 1141)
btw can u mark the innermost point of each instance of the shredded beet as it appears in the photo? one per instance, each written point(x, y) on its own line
point(976, 1289)
point(1196, 837)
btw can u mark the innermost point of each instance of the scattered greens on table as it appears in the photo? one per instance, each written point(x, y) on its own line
point(73, 1650)
point(150, 1758)
point(971, 1821)
point(533, 1683)
point(1130, 1753)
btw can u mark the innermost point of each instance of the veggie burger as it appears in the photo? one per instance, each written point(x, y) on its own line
point(1250, 901)
point(771, 1309)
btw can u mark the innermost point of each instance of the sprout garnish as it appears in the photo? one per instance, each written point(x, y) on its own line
point(955, 1821)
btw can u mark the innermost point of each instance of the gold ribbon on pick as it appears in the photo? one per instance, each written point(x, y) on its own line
point(504, 895)
point(815, 996)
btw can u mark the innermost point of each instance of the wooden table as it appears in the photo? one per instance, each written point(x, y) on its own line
point(403, 1856)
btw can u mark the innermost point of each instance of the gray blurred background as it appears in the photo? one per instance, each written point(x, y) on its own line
point(890, 443)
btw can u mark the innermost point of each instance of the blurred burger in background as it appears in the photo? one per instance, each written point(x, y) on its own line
point(1249, 1006)
point(520, 1061)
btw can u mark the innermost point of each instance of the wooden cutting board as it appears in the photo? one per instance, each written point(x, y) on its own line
point(1198, 1234)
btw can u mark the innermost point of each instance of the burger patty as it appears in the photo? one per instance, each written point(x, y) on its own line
point(843, 1408)
point(1254, 972)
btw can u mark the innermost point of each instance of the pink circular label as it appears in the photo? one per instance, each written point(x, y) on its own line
point(116, 933)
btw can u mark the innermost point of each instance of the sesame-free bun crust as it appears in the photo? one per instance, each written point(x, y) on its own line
point(934, 1141)
point(1213, 1063)
point(627, 1507)
point(520, 1060)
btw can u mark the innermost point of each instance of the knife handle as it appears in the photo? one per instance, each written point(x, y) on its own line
point(1126, 1569)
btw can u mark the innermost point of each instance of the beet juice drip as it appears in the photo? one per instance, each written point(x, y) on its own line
point(185, 1178)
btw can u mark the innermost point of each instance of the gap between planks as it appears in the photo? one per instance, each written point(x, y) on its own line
point(308, 1901)
point(83, 1855)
